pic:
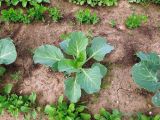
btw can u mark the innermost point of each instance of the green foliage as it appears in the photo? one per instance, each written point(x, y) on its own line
point(64, 111)
point(16, 76)
point(95, 2)
point(85, 16)
point(112, 23)
point(24, 3)
point(135, 21)
point(2, 71)
point(55, 14)
point(104, 115)
point(146, 74)
point(8, 52)
point(76, 46)
point(144, 117)
point(34, 13)
point(145, 1)
point(15, 104)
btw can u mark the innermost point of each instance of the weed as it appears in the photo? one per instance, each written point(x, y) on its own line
point(85, 16)
point(135, 21)
point(16, 75)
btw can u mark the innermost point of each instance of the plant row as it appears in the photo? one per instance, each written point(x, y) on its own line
point(37, 13)
point(24, 3)
point(145, 1)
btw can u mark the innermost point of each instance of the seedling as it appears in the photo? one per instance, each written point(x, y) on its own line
point(16, 76)
point(112, 23)
point(104, 115)
point(55, 14)
point(85, 16)
point(146, 74)
point(76, 46)
point(135, 21)
point(65, 111)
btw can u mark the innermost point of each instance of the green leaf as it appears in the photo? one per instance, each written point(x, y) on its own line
point(8, 88)
point(145, 74)
point(102, 68)
point(77, 43)
point(34, 114)
point(81, 59)
point(2, 71)
point(49, 110)
point(67, 65)
point(33, 97)
point(150, 57)
point(47, 55)
point(156, 99)
point(99, 48)
point(72, 90)
point(85, 116)
point(90, 79)
point(8, 52)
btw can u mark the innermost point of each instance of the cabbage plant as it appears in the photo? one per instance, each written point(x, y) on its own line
point(8, 53)
point(146, 74)
point(77, 52)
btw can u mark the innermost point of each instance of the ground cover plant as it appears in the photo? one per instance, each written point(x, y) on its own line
point(78, 77)
point(34, 13)
point(145, 1)
point(94, 3)
point(86, 17)
point(65, 111)
point(146, 74)
point(105, 115)
point(135, 21)
point(24, 3)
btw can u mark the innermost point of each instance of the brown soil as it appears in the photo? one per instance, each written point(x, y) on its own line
point(118, 91)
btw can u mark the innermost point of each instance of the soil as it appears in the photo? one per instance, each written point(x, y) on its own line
point(118, 89)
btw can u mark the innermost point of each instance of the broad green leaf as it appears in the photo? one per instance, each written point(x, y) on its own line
point(67, 65)
point(72, 90)
point(99, 48)
point(77, 43)
point(150, 57)
point(146, 76)
point(156, 99)
point(90, 79)
point(2, 71)
point(33, 97)
point(102, 68)
point(8, 88)
point(47, 55)
point(8, 52)
point(64, 45)
point(34, 114)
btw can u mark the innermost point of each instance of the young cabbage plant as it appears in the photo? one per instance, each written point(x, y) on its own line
point(79, 52)
point(8, 53)
point(146, 74)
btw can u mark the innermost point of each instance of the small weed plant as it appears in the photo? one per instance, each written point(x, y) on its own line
point(79, 52)
point(24, 3)
point(146, 74)
point(86, 17)
point(94, 3)
point(135, 21)
point(65, 111)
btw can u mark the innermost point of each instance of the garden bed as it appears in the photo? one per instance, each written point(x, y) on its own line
point(118, 89)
